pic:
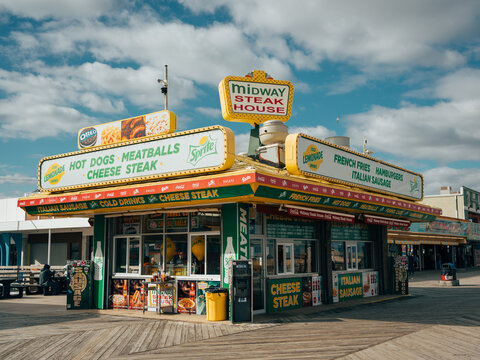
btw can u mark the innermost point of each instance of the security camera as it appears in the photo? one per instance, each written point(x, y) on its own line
point(164, 88)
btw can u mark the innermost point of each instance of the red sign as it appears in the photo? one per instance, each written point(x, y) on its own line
point(383, 221)
point(322, 215)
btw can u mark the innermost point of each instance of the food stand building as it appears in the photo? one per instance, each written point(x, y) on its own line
point(315, 226)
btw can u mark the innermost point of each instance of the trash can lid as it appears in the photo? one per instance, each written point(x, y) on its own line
point(448, 266)
point(214, 289)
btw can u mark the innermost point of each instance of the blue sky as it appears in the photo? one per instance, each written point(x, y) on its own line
point(406, 75)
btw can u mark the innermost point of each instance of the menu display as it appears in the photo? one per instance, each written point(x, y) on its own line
point(355, 232)
point(282, 227)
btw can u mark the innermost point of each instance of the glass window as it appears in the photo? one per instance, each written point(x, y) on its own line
point(205, 255)
point(154, 223)
point(270, 257)
point(281, 259)
point(285, 258)
point(205, 222)
point(305, 261)
point(338, 256)
point(152, 254)
point(134, 256)
point(351, 256)
point(177, 222)
point(176, 254)
point(365, 255)
point(256, 222)
point(198, 255)
point(288, 258)
point(213, 254)
point(128, 225)
point(127, 255)
point(121, 255)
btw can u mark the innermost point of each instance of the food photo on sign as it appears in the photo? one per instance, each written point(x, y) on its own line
point(135, 295)
point(119, 297)
point(157, 123)
point(186, 297)
point(307, 291)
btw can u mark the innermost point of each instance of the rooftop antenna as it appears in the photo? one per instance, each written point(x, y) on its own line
point(365, 150)
point(164, 87)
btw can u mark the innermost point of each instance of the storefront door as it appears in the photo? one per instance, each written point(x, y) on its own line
point(257, 254)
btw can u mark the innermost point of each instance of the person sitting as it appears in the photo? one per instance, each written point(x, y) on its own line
point(47, 279)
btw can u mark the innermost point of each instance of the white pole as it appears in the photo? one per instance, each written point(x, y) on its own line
point(49, 243)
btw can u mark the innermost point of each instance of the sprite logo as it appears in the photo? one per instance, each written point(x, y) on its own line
point(312, 157)
point(54, 174)
point(414, 185)
point(207, 146)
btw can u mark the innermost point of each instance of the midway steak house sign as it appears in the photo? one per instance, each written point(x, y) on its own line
point(255, 98)
point(312, 157)
point(194, 151)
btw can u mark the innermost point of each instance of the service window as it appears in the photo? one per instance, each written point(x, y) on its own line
point(365, 255)
point(352, 257)
point(285, 258)
point(338, 256)
point(127, 254)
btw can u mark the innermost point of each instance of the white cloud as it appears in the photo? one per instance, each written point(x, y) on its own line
point(374, 31)
point(56, 8)
point(49, 100)
point(447, 176)
point(461, 85)
point(211, 112)
point(17, 179)
point(444, 132)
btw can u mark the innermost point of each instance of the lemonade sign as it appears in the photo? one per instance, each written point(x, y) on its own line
point(54, 174)
point(305, 155)
point(194, 151)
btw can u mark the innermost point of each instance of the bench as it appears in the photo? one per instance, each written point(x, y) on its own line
point(23, 279)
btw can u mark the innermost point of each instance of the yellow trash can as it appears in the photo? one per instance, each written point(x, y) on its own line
point(216, 304)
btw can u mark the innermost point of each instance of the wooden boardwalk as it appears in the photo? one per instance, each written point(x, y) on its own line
point(434, 323)
point(106, 337)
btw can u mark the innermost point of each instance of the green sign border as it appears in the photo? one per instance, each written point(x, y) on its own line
point(135, 201)
point(315, 199)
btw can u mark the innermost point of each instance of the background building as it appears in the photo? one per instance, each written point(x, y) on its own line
point(31, 240)
point(465, 205)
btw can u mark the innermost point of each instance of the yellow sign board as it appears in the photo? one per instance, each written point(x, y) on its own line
point(189, 152)
point(255, 98)
point(157, 123)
